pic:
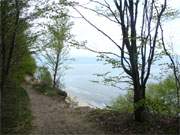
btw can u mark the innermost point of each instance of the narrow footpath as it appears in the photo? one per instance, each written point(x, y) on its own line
point(52, 116)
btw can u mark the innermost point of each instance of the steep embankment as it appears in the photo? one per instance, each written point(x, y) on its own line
point(52, 116)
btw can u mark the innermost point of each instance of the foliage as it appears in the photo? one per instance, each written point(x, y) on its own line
point(124, 103)
point(115, 122)
point(16, 56)
point(49, 90)
point(45, 85)
point(22, 61)
point(16, 113)
point(160, 99)
point(52, 30)
point(26, 65)
point(44, 76)
point(15, 62)
point(13, 30)
point(60, 34)
point(138, 46)
point(56, 47)
point(46, 89)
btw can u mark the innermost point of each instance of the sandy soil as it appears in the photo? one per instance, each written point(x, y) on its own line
point(52, 116)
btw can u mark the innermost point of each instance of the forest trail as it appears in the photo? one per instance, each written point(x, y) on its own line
point(52, 116)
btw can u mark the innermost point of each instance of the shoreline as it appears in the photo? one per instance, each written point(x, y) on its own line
point(78, 101)
point(75, 102)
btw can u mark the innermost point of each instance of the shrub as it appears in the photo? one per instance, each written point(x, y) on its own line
point(45, 85)
point(44, 76)
point(160, 99)
point(27, 65)
point(49, 90)
point(124, 103)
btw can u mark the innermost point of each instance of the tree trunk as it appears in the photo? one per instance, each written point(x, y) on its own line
point(13, 41)
point(56, 69)
point(139, 106)
point(54, 80)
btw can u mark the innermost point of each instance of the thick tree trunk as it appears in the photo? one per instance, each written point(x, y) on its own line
point(139, 106)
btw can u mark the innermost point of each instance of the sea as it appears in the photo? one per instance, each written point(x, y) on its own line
point(80, 86)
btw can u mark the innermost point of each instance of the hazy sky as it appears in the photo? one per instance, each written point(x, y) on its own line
point(96, 40)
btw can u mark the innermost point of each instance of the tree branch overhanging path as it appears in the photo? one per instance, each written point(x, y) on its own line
point(139, 32)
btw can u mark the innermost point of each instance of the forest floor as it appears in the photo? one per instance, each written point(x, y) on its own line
point(53, 116)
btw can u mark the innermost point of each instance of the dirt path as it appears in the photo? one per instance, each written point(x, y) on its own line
point(54, 117)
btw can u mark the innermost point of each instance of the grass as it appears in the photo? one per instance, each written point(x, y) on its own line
point(16, 113)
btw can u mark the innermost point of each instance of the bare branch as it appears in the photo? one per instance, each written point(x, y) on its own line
point(97, 28)
point(98, 13)
point(151, 56)
point(101, 52)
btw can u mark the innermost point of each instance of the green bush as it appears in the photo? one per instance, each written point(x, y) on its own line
point(27, 65)
point(160, 99)
point(44, 76)
point(45, 85)
point(45, 89)
point(124, 103)
point(49, 90)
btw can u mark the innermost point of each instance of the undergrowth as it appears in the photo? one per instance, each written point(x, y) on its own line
point(16, 113)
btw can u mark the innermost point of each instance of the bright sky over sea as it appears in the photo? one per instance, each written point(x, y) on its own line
point(96, 40)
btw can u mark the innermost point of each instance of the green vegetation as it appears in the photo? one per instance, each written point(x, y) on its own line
point(46, 89)
point(49, 90)
point(45, 85)
point(161, 111)
point(56, 39)
point(139, 45)
point(16, 113)
point(161, 107)
point(16, 62)
point(44, 76)
point(26, 66)
point(160, 99)
point(116, 122)
point(154, 107)
point(123, 103)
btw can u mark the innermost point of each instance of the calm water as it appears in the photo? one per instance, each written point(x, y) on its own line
point(79, 85)
point(78, 82)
